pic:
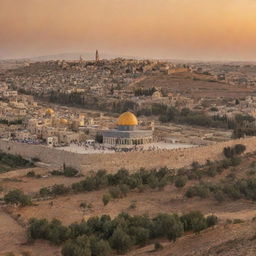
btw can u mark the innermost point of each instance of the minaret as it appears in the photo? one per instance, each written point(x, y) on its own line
point(97, 58)
point(80, 59)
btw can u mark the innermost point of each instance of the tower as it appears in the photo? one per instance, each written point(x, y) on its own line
point(97, 58)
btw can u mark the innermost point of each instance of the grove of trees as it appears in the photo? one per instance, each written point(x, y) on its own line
point(102, 236)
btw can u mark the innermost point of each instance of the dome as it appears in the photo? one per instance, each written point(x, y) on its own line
point(127, 119)
point(49, 111)
point(63, 121)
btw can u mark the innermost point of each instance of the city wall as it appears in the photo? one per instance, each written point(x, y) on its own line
point(133, 160)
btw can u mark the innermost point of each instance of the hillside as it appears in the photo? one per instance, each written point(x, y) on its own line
point(234, 233)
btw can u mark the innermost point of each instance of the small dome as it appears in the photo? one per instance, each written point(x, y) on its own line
point(49, 111)
point(127, 119)
point(63, 121)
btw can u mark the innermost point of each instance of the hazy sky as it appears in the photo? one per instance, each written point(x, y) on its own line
point(178, 29)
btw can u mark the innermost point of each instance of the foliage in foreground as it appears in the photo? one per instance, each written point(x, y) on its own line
point(100, 236)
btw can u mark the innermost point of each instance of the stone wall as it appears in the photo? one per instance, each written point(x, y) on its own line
point(131, 160)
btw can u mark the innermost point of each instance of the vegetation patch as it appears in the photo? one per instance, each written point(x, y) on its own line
point(10, 162)
point(105, 236)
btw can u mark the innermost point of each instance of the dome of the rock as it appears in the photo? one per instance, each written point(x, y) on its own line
point(127, 119)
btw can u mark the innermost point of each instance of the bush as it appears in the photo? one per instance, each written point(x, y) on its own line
point(169, 226)
point(106, 199)
point(77, 247)
point(44, 192)
point(228, 152)
point(59, 189)
point(181, 181)
point(100, 247)
point(124, 189)
point(232, 191)
point(219, 196)
point(199, 190)
point(120, 241)
point(53, 231)
point(14, 161)
point(141, 235)
point(194, 221)
point(70, 172)
point(116, 192)
point(239, 149)
point(212, 171)
point(211, 220)
point(16, 196)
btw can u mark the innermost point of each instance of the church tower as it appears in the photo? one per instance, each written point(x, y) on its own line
point(97, 58)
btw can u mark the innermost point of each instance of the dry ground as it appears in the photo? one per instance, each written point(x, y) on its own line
point(185, 84)
point(224, 240)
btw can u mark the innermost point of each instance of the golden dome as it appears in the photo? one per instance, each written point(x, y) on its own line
point(127, 119)
point(63, 121)
point(49, 111)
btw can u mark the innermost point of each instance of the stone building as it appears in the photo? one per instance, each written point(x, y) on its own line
point(127, 134)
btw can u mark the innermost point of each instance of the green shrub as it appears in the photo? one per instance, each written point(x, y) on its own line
point(14, 161)
point(59, 189)
point(106, 199)
point(52, 231)
point(200, 190)
point(100, 247)
point(16, 196)
point(169, 226)
point(124, 189)
point(120, 241)
point(44, 192)
point(228, 152)
point(239, 149)
point(211, 220)
point(219, 196)
point(141, 235)
point(77, 247)
point(212, 171)
point(194, 221)
point(181, 181)
point(116, 192)
point(70, 172)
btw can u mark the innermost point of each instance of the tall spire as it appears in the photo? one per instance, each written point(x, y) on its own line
point(97, 58)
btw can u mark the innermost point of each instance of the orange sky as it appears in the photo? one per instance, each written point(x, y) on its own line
point(176, 29)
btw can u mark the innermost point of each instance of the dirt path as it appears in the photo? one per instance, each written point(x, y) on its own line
point(12, 235)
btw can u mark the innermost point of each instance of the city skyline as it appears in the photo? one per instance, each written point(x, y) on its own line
point(165, 29)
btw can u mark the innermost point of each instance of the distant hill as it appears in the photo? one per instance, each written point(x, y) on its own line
point(76, 56)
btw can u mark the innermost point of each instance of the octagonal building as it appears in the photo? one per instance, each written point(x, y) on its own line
point(127, 133)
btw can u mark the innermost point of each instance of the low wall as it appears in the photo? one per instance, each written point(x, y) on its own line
point(132, 160)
